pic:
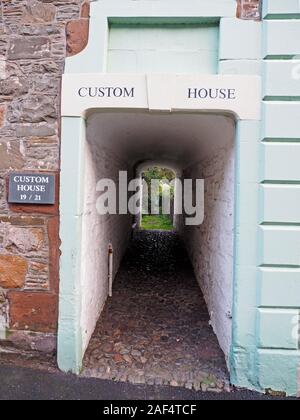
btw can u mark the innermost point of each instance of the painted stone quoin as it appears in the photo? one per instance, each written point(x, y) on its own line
point(74, 76)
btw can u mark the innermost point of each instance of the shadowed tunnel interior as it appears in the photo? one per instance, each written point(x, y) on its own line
point(157, 270)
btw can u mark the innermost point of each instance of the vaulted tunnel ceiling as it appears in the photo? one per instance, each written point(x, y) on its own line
point(180, 138)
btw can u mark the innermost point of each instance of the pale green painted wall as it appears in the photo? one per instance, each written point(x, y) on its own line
point(69, 346)
point(163, 49)
point(278, 355)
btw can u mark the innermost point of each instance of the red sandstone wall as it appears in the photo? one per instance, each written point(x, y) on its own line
point(249, 9)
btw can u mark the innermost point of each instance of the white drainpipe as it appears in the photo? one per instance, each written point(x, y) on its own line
point(110, 269)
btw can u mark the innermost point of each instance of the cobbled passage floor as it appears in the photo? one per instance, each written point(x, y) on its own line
point(155, 329)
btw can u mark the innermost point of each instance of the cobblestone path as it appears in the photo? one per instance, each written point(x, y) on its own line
point(155, 329)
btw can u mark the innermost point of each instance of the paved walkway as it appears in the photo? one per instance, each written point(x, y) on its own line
point(155, 329)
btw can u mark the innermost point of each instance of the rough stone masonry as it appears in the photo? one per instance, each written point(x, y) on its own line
point(35, 38)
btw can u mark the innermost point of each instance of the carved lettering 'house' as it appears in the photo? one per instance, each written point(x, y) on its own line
point(207, 89)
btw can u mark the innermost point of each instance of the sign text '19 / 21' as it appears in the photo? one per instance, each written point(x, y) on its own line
point(35, 188)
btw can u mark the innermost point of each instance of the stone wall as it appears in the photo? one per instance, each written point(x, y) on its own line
point(35, 38)
point(210, 246)
point(33, 47)
point(102, 161)
point(249, 9)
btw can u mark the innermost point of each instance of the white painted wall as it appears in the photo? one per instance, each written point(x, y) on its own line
point(210, 245)
point(99, 231)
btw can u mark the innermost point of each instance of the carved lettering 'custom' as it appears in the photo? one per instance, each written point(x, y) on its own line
point(212, 93)
point(106, 92)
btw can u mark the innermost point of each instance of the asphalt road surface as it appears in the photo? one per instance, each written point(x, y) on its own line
point(18, 383)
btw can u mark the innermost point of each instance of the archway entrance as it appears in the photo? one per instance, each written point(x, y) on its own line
point(106, 135)
point(197, 147)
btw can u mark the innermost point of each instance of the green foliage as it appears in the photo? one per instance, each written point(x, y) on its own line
point(157, 222)
point(158, 173)
point(164, 175)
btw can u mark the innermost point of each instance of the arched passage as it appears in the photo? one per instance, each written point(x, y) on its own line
point(197, 146)
point(123, 136)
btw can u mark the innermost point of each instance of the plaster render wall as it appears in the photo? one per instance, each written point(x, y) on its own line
point(210, 245)
point(99, 231)
point(164, 49)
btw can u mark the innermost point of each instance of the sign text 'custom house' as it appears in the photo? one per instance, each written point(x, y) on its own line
point(31, 188)
point(240, 95)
